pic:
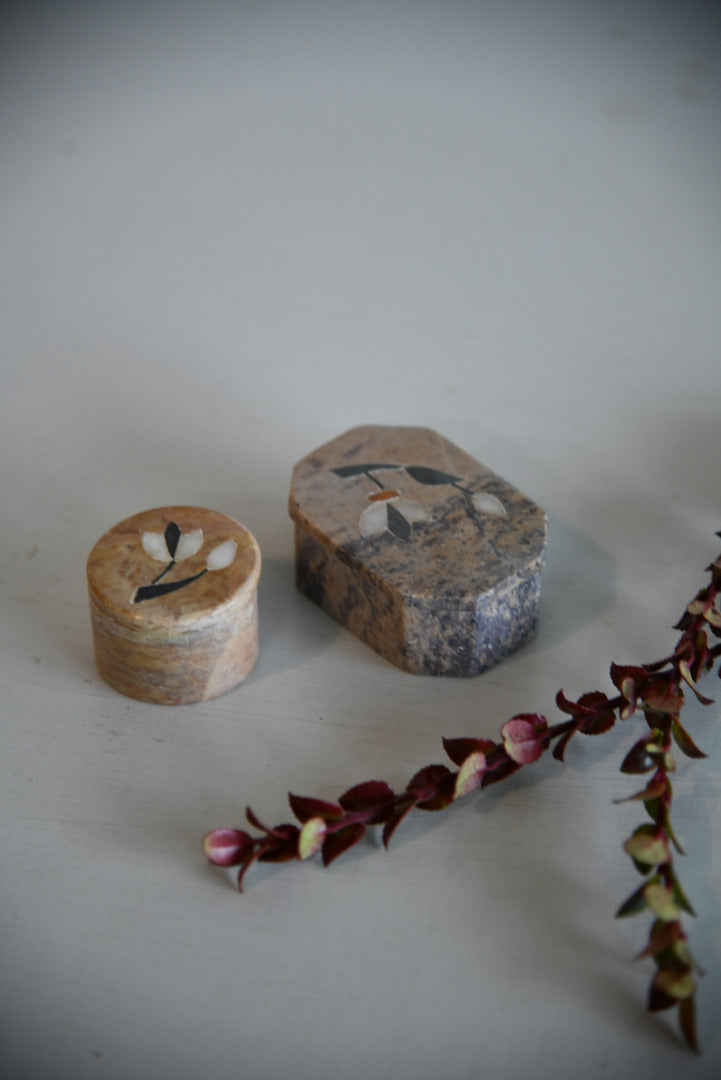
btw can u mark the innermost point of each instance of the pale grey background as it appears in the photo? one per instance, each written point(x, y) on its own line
point(228, 232)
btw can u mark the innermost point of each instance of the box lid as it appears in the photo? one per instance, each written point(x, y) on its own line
point(414, 511)
point(172, 569)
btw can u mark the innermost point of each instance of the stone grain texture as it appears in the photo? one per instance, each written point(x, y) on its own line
point(425, 554)
point(174, 630)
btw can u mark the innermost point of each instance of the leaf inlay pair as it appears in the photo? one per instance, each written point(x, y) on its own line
point(390, 511)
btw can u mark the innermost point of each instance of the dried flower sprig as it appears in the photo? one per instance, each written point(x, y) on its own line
point(655, 692)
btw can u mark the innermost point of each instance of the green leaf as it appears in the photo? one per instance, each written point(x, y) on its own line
point(634, 905)
point(656, 787)
point(678, 894)
point(672, 835)
point(688, 678)
point(687, 1022)
point(684, 740)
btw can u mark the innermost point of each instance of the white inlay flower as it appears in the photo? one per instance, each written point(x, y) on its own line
point(172, 545)
point(489, 504)
point(222, 555)
point(188, 544)
point(390, 512)
point(154, 544)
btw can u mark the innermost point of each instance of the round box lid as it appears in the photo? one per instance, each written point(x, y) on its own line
point(173, 604)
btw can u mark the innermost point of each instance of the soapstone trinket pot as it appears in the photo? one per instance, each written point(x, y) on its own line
point(173, 604)
point(426, 555)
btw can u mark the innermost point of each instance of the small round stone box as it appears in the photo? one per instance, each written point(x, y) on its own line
point(173, 604)
point(425, 554)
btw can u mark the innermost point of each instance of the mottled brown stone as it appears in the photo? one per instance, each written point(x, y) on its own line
point(426, 555)
point(174, 630)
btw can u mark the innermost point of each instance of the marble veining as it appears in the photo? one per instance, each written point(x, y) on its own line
point(173, 604)
point(427, 555)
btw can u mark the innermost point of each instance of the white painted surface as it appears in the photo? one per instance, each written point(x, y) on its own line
point(230, 232)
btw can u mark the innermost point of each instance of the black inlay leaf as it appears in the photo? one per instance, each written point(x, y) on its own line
point(422, 475)
point(397, 524)
point(172, 535)
point(345, 471)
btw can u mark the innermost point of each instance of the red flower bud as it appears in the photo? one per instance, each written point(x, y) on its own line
point(226, 847)
point(524, 737)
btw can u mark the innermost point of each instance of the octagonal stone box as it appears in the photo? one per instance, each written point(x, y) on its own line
point(423, 553)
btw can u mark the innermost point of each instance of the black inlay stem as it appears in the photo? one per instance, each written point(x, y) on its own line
point(163, 572)
point(375, 480)
point(149, 592)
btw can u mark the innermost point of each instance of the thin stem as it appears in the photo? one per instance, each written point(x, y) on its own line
point(162, 573)
point(375, 480)
point(653, 693)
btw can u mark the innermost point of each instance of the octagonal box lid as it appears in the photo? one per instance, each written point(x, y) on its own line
point(422, 552)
